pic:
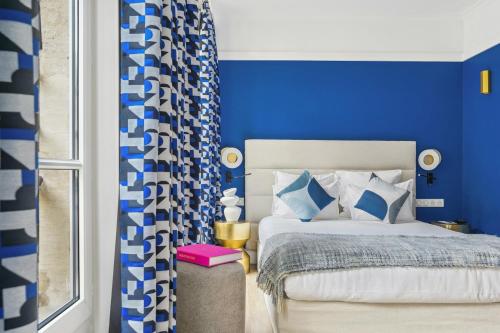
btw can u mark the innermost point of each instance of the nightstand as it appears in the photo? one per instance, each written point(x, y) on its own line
point(234, 235)
point(459, 226)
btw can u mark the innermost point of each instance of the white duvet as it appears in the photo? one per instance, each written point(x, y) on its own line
point(384, 285)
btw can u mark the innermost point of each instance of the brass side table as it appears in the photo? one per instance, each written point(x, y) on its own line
point(462, 227)
point(234, 235)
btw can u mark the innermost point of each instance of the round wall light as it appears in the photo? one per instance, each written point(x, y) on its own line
point(231, 157)
point(429, 159)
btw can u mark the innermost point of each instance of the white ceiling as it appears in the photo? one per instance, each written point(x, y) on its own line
point(344, 8)
point(392, 30)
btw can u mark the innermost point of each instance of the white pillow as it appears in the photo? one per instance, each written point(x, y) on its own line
point(328, 181)
point(361, 179)
point(407, 212)
point(380, 200)
point(353, 194)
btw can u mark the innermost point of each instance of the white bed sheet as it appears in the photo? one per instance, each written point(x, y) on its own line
point(384, 285)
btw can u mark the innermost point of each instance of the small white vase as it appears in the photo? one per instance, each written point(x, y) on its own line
point(230, 192)
point(232, 214)
point(229, 201)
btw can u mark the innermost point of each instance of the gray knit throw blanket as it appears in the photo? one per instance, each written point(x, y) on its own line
point(291, 253)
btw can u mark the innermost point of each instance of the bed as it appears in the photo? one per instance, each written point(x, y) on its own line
point(366, 299)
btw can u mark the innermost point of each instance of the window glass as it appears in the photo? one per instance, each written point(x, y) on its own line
point(55, 80)
point(58, 266)
point(56, 242)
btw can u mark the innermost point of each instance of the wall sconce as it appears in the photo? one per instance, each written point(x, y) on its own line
point(485, 82)
point(429, 160)
point(231, 158)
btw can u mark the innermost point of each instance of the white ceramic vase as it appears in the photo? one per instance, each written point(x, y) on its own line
point(232, 214)
point(230, 192)
point(230, 200)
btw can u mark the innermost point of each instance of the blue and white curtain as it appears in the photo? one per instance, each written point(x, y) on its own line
point(19, 46)
point(169, 151)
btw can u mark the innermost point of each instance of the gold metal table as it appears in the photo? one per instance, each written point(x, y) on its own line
point(459, 226)
point(234, 235)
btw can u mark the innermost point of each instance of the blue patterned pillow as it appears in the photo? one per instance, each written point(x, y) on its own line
point(305, 197)
point(381, 200)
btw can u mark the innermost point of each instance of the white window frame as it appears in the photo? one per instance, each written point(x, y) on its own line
point(76, 315)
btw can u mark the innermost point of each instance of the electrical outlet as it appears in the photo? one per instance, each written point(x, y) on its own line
point(241, 202)
point(430, 203)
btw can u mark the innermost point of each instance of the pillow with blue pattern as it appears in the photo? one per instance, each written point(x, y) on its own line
point(381, 200)
point(305, 197)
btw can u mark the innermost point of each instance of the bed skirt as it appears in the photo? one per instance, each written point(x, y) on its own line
point(323, 317)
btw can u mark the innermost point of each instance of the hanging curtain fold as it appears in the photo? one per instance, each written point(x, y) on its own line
point(210, 125)
point(169, 151)
point(19, 46)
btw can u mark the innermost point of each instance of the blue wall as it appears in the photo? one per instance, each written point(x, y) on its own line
point(481, 144)
point(419, 101)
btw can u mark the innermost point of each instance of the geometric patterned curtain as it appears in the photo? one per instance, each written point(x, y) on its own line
point(210, 126)
point(19, 46)
point(169, 151)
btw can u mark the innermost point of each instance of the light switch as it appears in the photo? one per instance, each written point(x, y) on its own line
point(433, 203)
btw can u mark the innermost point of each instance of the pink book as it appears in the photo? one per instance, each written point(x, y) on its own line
point(207, 255)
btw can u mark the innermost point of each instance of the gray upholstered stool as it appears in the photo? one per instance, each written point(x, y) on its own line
point(210, 299)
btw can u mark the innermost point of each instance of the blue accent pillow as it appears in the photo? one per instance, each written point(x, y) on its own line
point(373, 204)
point(305, 197)
point(382, 200)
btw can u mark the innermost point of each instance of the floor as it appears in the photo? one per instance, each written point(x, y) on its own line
point(257, 319)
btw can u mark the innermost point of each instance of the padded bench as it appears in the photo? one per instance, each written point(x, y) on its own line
point(210, 299)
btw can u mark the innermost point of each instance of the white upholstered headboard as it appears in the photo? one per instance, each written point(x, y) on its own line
point(262, 157)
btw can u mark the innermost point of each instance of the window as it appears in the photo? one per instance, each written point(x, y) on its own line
point(60, 161)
